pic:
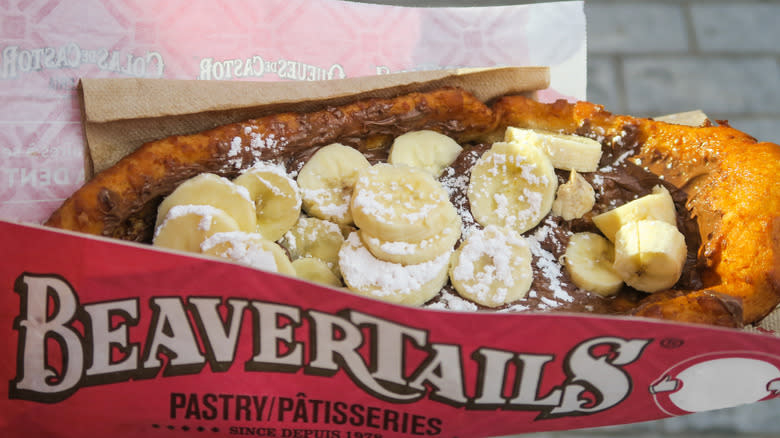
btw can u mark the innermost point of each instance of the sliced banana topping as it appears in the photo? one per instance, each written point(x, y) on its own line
point(327, 180)
point(388, 231)
point(649, 254)
point(492, 267)
point(512, 185)
point(574, 198)
point(276, 197)
point(411, 285)
point(588, 259)
point(249, 249)
point(216, 191)
point(657, 205)
point(316, 271)
point(567, 152)
point(400, 203)
point(428, 150)
point(400, 251)
point(317, 238)
point(185, 227)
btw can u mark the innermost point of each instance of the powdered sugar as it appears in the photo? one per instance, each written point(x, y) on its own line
point(450, 301)
point(235, 151)
point(364, 272)
point(245, 248)
point(268, 166)
point(389, 197)
point(273, 185)
point(329, 202)
point(456, 185)
point(206, 212)
point(546, 263)
point(258, 146)
point(490, 282)
point(398, 247)
point(611, 167)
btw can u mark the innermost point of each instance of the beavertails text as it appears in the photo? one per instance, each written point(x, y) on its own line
point(105, 342)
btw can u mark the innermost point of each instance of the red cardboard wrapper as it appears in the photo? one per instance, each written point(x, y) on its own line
point(118, 339)
point(108, 338)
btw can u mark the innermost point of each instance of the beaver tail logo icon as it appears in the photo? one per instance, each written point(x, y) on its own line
point(717, 381)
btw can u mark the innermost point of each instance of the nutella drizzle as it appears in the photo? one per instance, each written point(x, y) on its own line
point(618, 180)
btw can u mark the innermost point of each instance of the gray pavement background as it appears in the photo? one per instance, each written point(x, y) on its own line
point(654, 57)
point(647, 58)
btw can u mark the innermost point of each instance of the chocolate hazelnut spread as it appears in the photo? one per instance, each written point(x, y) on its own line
point(618, 180)
point(726, 174)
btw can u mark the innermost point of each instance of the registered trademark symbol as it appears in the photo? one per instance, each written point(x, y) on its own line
point(671, 343)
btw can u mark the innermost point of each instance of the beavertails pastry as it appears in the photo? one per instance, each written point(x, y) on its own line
point(436, 199)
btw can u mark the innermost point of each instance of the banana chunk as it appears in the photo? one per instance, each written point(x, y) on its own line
point(649, 254)
point(400, 251)
point(316, 271)
point(492, 267)
point(327, 180)
point(588, 259)
point(411, 285)
point(424, 149)
point(575, 198)
point(216, 191)
point(276, 197)
point(185, 227)
point(317, 238)
point(566, 151)
point(657, 205)
point(512, 185)
point(248, 249)
point(399, 202)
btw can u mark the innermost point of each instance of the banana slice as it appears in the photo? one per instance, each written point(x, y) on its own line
point(312, 237)
point(400, 251)
point(400, 203)
point(589, 259)
point(248, 249)
point(185, 227)
point(649, 254)
point(492, 267)
point(216, 191)
point(276, 197)
point(575, 198)
point(425, 149)
point(567, 152)
point(657, 205)
point(327, 181)
point(512, 185)
point(316, 271)
point(412, 285)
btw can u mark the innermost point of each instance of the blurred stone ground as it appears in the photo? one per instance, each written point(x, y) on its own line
point(648, 58)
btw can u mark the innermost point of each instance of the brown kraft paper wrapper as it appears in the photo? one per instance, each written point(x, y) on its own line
point(122, 114)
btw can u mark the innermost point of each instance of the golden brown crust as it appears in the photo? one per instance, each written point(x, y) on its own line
point(731, 180)
point(122, 200)
point(732, 185)
point(699, 306)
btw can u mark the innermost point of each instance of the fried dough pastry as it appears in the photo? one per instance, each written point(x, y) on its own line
point(733, 192)
point(122, 201)
point(731, 181)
